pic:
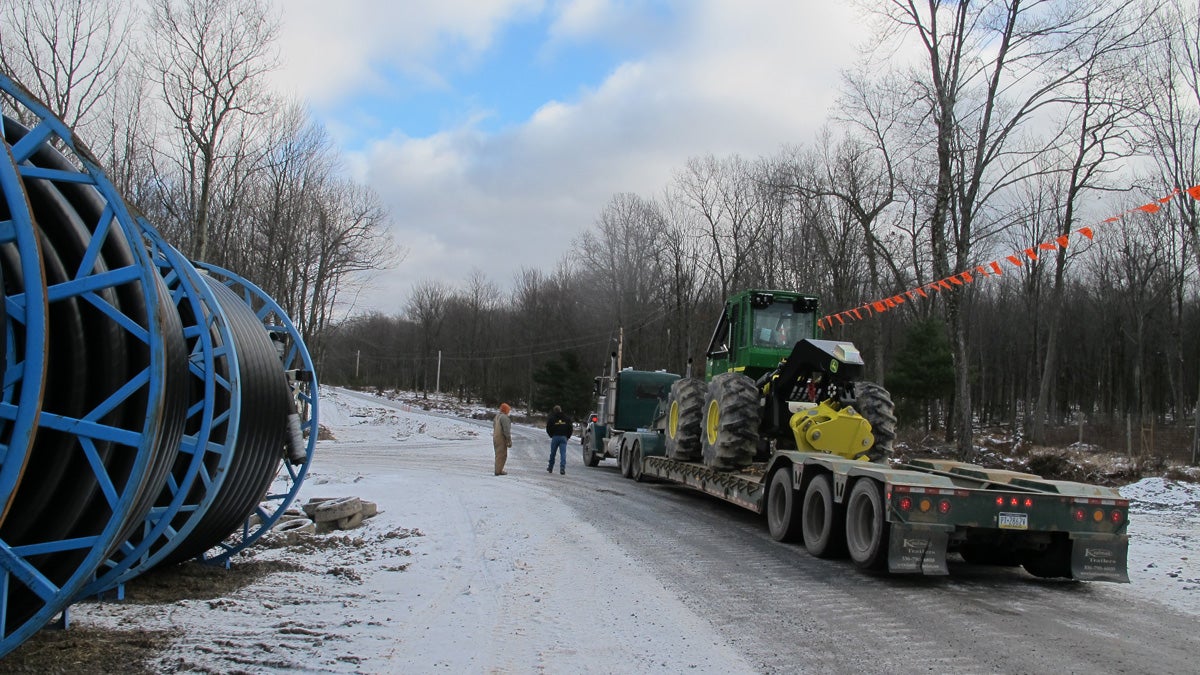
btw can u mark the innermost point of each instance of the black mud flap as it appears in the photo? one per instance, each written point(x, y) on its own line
point(1100, 558)
point(917, 550)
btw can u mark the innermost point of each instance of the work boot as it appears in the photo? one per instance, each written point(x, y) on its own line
point(563, 471)
point(550, 469)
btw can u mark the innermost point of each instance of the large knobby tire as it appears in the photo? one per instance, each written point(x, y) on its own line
point(729, 428)
point(875, 404)
point(866, 529)
point(635, 462)
point(685, 407)
point(783, 518)
point(823, 531)
point(590, 458)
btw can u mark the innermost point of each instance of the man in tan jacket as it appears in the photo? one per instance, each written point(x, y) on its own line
point(502, 438)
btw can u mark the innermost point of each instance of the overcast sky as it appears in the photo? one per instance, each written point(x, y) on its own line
point(495, 131)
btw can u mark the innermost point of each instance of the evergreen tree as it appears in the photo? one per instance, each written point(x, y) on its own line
point(923, 371)
point(563, 381)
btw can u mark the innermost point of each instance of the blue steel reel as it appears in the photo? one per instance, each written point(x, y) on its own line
point(118, 439)
point(297, 363)
point(206, 449)
point(24, 378)
point(24, 333)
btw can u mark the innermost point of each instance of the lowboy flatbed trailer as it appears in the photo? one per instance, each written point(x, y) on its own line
point(910, 517)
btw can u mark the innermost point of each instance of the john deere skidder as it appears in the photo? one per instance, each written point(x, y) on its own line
point(769, 384)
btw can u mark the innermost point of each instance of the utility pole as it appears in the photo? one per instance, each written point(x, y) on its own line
point(357, 358)
point(437, 387)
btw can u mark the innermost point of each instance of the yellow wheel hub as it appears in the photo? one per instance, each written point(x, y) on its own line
point(673, 420)
point(712, 422)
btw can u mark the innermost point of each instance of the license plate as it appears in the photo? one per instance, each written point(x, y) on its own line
point(1014, 521)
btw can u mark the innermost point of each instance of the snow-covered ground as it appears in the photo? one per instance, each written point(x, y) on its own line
point(465, 572)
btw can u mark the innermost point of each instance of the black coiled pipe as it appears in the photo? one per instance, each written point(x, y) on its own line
point(261, 434)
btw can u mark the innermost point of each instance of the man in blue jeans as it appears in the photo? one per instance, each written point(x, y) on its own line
point(558, 428)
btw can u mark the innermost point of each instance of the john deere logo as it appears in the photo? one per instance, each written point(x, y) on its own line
point(833, 365)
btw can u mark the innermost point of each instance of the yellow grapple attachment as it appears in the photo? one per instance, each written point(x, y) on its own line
point(837, 431)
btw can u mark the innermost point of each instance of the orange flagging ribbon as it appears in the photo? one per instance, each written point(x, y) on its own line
point(965, 277)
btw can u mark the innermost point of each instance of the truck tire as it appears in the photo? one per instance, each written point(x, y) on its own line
point(590, 458)
point(783, 519)
point(685, 407)
point(623, 461)
point(823, 528)
point(293, 531)
point(875, 404)
point(866, 530)
point(635, 462)
point(729, 428)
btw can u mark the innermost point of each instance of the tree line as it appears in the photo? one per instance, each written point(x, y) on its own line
point(968, 133)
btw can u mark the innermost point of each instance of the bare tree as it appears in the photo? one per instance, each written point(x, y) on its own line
point(722, 194)
point(623, 250)
point(208, 57)
point(858, 173)
point(347, 238)
point(69, 53)
point(427, 305)
point(1097, 125)
point(686, 284)
point(992, 69)
point(1169, 121)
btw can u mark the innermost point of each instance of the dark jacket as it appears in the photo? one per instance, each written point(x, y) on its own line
point(559, 424)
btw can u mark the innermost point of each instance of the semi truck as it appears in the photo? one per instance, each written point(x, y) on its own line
point(782, 424)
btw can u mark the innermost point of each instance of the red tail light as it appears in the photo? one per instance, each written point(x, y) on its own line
point(944, 506)
point(1117, 517)
point(595, 418)
point(1028, 503)
point(1078, 514)
point(906, 503)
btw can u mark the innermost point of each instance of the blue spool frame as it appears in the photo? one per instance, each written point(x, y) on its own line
point(212, 354)
point(86, 285)
point(304, 390)
point(25, 370)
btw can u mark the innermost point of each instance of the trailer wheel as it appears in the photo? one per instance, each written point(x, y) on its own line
point(782, 519)
point(866, 529)
point(590, 457)
point(685, 407)
point(635, 462)
point(822, 520)
point(623, 460)
point(729, 438)
point(875, 404)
